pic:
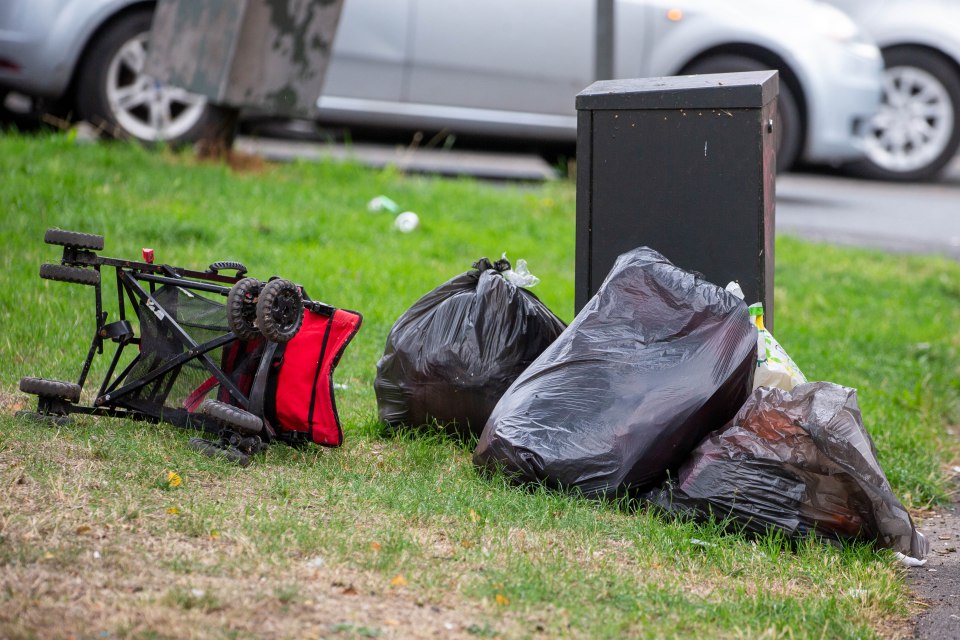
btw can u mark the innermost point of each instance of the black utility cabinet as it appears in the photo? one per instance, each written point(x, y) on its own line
point(684, 165)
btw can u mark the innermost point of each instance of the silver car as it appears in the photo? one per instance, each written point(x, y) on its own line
point(83, 59)
point(504, 67)
point(917, 130)
point(514, 66)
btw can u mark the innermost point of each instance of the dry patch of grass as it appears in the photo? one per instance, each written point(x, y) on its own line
point(128, 592)
point(77, 562)
point(97, 537)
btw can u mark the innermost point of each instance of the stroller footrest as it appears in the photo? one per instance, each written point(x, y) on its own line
point(120, 331)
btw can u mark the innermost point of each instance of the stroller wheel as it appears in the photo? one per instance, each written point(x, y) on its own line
point(252, 445)
point(65, 273)
point(73, 239)
point(280, 310)
point(51, 389)
point(218, 449)
point(242, 308)
point(52, 419)
point(233, 417)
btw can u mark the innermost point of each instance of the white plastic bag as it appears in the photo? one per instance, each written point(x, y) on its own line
point(520, 276)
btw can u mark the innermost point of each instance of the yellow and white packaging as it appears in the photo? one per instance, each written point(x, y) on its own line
point(775, 368)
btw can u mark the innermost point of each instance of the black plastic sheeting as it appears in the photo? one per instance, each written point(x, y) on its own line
point(800, 461)
point(451, 356)
point(656, 360)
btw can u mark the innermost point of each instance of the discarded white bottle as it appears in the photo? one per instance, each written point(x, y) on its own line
point(406, 222)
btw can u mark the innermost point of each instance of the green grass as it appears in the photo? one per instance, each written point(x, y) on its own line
point(406, 518)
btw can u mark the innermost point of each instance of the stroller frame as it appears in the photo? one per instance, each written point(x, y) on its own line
point(239, 424)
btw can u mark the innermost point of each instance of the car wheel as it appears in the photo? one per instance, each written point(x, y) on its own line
point(114, 93)
point(915, 133)
point(788, 133)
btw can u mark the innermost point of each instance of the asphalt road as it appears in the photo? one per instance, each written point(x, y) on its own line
point(912, 218)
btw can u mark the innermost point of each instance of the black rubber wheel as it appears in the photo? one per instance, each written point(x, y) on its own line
point(251, 445)
point(242, 308)
point(788, 131)
point(43, 418)
point(280, 310)
point(73, 239)
point(115, 95)
point(65, 273)
point(916, 133)
point(219, 450)
point(45, 388)
point(233, 417)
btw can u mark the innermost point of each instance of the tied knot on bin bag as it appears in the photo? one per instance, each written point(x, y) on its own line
point(452, 354)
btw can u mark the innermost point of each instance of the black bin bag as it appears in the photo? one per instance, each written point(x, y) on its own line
point(800, 461)
point(657, 359)
point(451, 356)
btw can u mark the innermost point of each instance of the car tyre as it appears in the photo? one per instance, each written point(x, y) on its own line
point(915, 134)
point(789, 130)
point(115, 95)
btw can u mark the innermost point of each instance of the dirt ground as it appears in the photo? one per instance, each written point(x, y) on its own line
point(937, 583)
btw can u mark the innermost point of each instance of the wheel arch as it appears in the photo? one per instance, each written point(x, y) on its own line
point(104, 26)
point(948, 59)
point(770, 58)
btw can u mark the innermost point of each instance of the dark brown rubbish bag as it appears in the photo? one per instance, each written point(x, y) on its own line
point(800, 461)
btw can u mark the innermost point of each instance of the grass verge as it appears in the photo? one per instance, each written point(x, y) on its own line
point(398, 536)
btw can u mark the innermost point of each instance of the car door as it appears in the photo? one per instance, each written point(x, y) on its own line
point(370, 51)
point(515, 55)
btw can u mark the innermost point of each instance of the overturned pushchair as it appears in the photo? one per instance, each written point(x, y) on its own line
point(251, 370)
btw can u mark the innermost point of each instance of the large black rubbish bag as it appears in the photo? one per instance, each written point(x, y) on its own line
point(800, 461)
point(451, 356)
point(657, 359)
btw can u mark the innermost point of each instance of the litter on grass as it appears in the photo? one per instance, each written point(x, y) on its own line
point(406, 222)
point(797, 461)
point(450, 356)
point(653, 378)
point(655, 361)
point(382, 203)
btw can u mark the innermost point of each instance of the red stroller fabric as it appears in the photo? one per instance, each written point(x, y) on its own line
point(304, 400)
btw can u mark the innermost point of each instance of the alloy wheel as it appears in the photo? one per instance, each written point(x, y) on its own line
point(145, 107)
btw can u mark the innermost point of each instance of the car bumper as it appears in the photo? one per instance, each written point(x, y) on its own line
point(840, 99)
point(27, 66)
